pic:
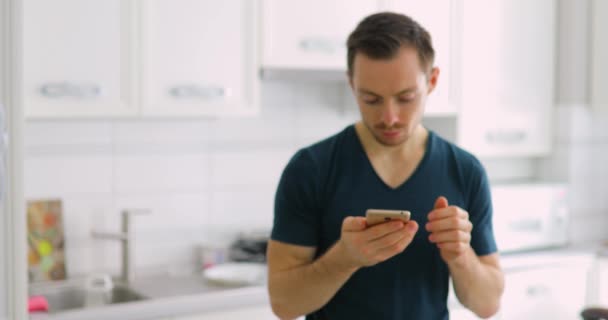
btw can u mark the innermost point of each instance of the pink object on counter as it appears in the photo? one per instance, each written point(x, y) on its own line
point(37, 304)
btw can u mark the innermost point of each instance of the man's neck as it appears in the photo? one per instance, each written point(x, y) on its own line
point(403, 151)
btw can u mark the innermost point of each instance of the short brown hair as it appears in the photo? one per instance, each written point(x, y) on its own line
point(381, 35)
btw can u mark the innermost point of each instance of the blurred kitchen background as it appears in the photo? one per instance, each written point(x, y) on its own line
point(187, 111)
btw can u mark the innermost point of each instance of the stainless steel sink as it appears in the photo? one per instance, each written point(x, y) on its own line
point(73, 295)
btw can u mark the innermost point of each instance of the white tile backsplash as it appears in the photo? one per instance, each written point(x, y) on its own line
point(166, 133)
point(246, 209)
point(151, 172)
point(200, 176)
point(261, 168)
point(584, 125)
point(589, 226)
point(52, 175)
point(67, 132)
point(166, 211)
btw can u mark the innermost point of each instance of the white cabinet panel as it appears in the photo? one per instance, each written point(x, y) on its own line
point(555, 292)
point(508, 58)
point(310, 34)
point(602, 284)
point(258, 313)
point(199, 57)
point(436, 17)
point(77, 58)
point(599, 47)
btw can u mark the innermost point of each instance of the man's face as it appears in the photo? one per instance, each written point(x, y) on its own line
point(391, 94)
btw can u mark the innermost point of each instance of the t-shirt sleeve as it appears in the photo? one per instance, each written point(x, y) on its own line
point(480, 212)
point(296, 209)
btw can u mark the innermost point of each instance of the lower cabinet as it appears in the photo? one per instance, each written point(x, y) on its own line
point(602, 282)
point(549, 291)
point(554, 293)
point(557, 289)
point(257, 313)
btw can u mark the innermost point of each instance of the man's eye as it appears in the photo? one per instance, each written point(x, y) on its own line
point(406, 99)
point(371, 102)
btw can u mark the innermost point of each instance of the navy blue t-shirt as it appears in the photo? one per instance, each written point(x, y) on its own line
point(333, 179)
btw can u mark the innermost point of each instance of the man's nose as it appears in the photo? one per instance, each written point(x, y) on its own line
point(390, 114)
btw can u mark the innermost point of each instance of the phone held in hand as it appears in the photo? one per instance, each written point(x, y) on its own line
point(376, 216)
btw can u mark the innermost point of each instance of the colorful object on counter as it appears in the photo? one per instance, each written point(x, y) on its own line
point(46, 256)
point(37, 304)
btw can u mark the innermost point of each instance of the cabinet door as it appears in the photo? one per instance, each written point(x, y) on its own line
point(602, 284)
point(508, 57)
point(555, 293)
point(258, 313)
point(599, 52)
point(436, 17)
point(310, 34)
point(199, 57)
point(78, 58)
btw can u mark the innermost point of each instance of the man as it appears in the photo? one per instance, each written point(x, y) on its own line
point(324, 261)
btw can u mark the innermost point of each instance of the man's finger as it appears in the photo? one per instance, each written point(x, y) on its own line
point(387, 252)
point(441, 202)
point(449, 223)
point(353, 224)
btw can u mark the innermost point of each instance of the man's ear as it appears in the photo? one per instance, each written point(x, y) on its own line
point(350, 80)
point(433, 78)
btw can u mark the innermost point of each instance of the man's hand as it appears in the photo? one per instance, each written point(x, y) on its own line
point(367, 246)
point(450, 230)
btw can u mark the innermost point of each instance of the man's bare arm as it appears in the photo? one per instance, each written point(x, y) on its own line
point(298, 284)
point(479, 283)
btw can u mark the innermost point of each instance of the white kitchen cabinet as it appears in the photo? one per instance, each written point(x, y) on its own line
point(78, 58)
point(436, 16)
point(258, 313)
point(508, 69)
point(310, 34)
point(550, 292)
point(117, 58)
point(599, 52)
point(602, 283)
point(199, 57)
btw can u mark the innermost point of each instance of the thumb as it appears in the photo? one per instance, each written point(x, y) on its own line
point(441, 202)
point(353, 224)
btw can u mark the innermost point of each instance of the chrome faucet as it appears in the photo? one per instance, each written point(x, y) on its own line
point(126, 240)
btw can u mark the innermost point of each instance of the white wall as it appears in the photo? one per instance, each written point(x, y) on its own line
point(201, 177)
point(581, 133)
point(3, 176)
point(3, 220)
point(197, 176)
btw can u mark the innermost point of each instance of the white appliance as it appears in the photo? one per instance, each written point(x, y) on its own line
point(530, 216)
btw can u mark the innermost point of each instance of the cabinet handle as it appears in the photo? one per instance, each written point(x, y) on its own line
point(506, 137)
point(69, 90)
point(537, 290)
point(198, 92)
point(320, 45)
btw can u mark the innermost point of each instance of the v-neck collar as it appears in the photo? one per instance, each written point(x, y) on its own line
point(419, 167)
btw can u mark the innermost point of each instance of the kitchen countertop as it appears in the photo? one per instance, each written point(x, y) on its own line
point(169, 296)
point(190, 294)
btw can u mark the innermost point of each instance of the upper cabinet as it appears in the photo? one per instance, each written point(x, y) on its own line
point(78, 58)
point(108, 58)
point(199, 57)
point(437, 18)
point(508, 68)
point(599, 52)
point(311, 34)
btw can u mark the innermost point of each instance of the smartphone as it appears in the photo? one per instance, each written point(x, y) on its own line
point(376, 216)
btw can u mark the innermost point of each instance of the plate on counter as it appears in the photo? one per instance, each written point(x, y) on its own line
point(236, 274)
